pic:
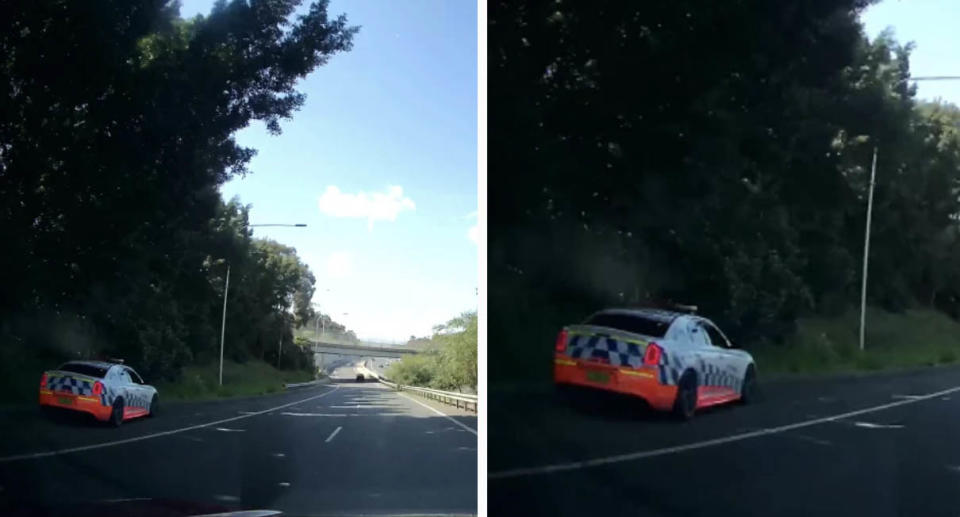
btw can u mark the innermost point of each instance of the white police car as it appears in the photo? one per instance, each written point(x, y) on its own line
point(110, 391)
point(673, 360)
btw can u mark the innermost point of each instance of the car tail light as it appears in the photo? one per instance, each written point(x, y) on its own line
point(562, 341)
point(652, 355)
point(98, 388)
point(43, 380)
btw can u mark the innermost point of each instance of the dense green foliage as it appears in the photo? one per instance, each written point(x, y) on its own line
point(447, 361)
point(239, 380)
point(714, 153)
point(116, 124)
point(829, 344)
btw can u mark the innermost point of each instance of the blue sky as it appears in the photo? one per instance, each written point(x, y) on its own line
point(931, 25)
point(381, 164)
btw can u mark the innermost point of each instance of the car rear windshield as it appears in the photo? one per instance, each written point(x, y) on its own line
point(636, 324)
point(84, 369)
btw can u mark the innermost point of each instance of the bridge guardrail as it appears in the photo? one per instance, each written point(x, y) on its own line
point(447, 397)
point(293, 385)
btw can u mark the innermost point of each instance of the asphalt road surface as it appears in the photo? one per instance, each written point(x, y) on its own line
point(342, 449)
point(880, 445)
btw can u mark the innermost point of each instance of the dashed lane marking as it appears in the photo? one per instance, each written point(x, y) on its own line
point(47, 454)
point(632, 456)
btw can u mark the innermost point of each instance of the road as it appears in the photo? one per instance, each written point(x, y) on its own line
point(343, 448)
point(878, 445)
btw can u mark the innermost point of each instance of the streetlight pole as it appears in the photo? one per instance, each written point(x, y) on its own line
point(226, 287)
point(866, 250)
point(223, 326)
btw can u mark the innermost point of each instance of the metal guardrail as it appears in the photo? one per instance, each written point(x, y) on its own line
point(300, 384)
point(447, 397)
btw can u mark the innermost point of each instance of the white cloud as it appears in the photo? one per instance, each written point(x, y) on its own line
point(474, 234)
point(339, 265)
point(372, 206)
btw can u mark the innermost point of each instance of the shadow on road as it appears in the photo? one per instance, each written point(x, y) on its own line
point(618, 407)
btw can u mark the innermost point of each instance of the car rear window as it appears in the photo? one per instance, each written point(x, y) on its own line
point(636, 324)
point(84, 369)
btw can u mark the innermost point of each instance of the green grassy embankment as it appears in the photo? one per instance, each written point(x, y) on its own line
point(520, 341)
point(239, 380)
point(893, 341)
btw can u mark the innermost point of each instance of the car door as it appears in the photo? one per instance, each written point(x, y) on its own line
point(728, 360)
point(703, 352)
point(129, 391)
point(142, 392)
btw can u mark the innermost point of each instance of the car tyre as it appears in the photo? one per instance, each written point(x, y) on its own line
point(685, 405)
point(749, 390)
point(154, 405)
point(116, 414)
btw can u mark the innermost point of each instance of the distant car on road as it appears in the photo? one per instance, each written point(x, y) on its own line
point(111, 392)
point(675, 361)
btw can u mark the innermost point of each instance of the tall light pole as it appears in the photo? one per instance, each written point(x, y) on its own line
point(866, 250)
point(226, 287)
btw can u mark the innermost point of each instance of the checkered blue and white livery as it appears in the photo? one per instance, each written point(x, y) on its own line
point(68, 384)
point(605, 348)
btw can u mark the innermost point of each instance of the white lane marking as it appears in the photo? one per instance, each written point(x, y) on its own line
point(222, 497)
point(906, 397)
point(228, 430)
point(333, 434)
point(246, 413)
point(314, 414)
point(278, 455)
point(811, 439)
point(46, 454)
point(283, 484)
point(444, 415)
point(125, 500)
point(871, 425)
point(631, 456)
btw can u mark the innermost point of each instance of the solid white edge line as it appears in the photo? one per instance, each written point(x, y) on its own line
point(46, 454)
point(333, 434)
point(606, 460)
point(444, 415)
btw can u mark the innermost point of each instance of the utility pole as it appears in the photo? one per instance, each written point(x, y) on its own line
point(866, 251)
point(223, 326)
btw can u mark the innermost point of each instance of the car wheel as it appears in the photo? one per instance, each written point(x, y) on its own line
point(749, 391)
point(116, 415)
point(155, 405)
point(686, 403)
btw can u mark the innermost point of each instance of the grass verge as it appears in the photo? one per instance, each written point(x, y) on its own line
point(239, 380)
point(893, 341)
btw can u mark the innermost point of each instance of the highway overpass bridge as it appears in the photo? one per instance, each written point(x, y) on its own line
point(362, 350)
point(330, 356)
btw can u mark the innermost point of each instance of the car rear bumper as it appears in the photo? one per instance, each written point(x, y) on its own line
point(640, 382)
point(79, 403)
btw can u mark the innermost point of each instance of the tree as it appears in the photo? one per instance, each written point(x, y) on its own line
point(116, 123)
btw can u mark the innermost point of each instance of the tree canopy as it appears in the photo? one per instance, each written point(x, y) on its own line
point(710, 153)
point(116, 131)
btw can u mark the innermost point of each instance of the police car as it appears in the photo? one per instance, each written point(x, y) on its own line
point(675, 361)
point(110, 391)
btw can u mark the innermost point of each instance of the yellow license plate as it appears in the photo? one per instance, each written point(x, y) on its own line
point(67, 401)
point(598, 377)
